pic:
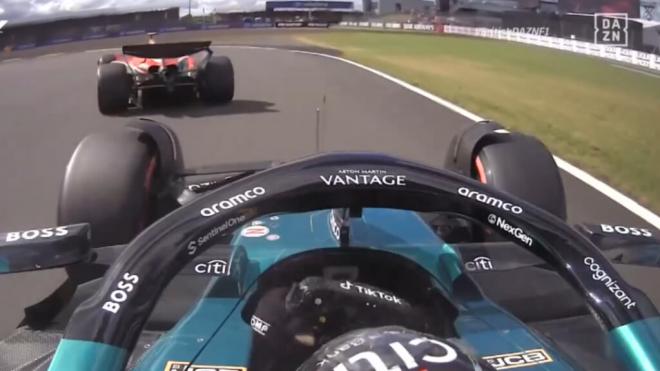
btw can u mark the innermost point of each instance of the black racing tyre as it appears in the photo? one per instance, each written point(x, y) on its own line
point(109, 184)
point(525, 168)
point(114, 88)
point(216, 81)
point(106, 58)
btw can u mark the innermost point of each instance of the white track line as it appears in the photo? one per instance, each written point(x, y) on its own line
point(102, 50)
point(11, 60)
point(51, 55)
point(657, 76)
point(590, 180)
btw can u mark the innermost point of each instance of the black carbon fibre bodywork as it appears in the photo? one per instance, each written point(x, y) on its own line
point(158, 253)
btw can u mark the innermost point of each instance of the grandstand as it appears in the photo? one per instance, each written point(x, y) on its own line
point(86, 26)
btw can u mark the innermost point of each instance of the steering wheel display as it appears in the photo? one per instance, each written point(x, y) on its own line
point(103, 330)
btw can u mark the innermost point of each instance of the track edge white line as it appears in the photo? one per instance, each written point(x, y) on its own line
point(616, 196)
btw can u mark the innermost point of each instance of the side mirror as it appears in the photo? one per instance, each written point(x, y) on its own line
point(624, 245)
point(44, 248)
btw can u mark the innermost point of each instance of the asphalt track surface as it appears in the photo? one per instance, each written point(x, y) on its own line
point(48, 104)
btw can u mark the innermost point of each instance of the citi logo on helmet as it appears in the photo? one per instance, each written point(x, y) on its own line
point(489, 200)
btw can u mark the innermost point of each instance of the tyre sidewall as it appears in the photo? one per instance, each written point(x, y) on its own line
point(106, 185)
point(216, 80)
point(114, 88)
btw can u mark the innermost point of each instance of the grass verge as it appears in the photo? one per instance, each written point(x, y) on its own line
point(600, 117)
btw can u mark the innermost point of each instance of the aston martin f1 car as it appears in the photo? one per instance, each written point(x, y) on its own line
point(184, 69)
point(337, 261)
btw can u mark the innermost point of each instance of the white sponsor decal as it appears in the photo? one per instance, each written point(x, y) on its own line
point(259, 325)
point(525, 358)
point(611, 29)
point(273, 237)
point(3, 22)
point(480, 263)
point(37, 233)
point(215, 267)
point(363, 177)
point(424, 27)
point(626, 230)
point(341, 349)
point(233, 201)
point(612, 285)
point(289, 24)
point(214, 232)
point(120, 295)
point(489, 200)
point(255, 231)
point(538, 30)
point(508, 228)
point(406, 359)
point(348, 285)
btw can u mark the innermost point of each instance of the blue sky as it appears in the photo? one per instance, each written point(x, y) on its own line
point(24, 10)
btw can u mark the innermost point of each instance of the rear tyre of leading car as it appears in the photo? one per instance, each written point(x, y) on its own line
point(106, 58)
point(114, 88)
point(216, 81)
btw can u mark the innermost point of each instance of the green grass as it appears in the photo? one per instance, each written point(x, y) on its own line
point(599, 117)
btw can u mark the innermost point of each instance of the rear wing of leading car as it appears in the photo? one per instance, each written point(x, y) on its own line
point(167, 50)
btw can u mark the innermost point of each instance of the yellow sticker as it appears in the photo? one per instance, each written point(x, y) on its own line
point(526, 358)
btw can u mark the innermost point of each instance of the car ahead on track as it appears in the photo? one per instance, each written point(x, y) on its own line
point(338, 261)
point(184, 69)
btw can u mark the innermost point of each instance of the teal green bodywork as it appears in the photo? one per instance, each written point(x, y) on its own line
point(400, 232)
point(214, 332)
point(636, 344)
point(81, 355)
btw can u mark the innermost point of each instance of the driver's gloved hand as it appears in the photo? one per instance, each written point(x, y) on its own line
point(289, 323)
point(321, 309)
point(338, 305)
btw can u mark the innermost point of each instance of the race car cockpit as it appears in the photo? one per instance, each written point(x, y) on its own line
point(328, 263)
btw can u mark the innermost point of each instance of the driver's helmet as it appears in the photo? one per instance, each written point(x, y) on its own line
point(390, 348)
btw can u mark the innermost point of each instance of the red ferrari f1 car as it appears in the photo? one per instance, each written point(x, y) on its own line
point(174, 69)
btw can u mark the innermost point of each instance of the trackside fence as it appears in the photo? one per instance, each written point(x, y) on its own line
point(633, 57)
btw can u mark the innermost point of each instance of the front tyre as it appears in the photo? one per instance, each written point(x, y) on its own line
point(114, 88)
point(109, 183)
point(216, 81)
point(525, 168)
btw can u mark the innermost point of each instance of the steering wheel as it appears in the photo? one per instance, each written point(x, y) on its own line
point(104, 329)
point(315, 310)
